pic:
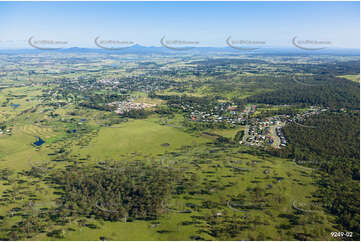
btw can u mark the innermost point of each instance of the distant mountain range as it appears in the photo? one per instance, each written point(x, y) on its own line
point(139, 49)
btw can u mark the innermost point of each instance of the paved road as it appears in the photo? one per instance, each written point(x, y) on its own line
point(276, 139)
point(248, 109)
point(245, 136)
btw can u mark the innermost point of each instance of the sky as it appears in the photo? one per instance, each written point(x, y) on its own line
point(207, 23)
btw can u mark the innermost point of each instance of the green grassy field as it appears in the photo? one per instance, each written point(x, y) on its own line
point(137, 136)
point(354, 78)
point(223, 173)
point(228, 133)
point(296, 185)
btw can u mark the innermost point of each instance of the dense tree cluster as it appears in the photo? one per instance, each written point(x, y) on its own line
point(331, 143)
point(325, 136)
point(329, 92)
point(336, 68)
point(117, 192)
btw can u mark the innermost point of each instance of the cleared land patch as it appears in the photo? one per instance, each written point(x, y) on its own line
point(141, 136)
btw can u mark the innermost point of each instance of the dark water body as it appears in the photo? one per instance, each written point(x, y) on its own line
point(39, 142)
point(71, 131)
point(15, 106)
